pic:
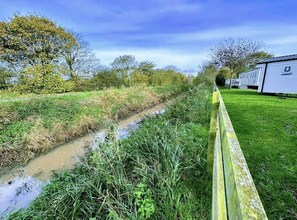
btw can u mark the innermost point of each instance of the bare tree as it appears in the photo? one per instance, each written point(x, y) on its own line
point(234, 54)
point(79, 59)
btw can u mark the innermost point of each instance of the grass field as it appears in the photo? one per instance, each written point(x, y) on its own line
point(30, 124)
point(266, 127)
point(159, 172)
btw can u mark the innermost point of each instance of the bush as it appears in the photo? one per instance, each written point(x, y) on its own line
point(166, 77)
point(220, 79)
point(43, 79)
point(204, 78)
point(223, 74)
point(138, 78)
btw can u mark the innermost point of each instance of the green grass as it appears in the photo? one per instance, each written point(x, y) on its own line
point(12, 96)
point(30, 126)
point(266, 127)
point(159, 172)
point(5, 95)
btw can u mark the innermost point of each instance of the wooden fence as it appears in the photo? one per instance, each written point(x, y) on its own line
point(234, 193)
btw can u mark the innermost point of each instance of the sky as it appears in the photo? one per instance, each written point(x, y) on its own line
point(168, 32)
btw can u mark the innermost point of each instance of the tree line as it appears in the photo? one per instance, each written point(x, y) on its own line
point(39, 56)
point(126, 71)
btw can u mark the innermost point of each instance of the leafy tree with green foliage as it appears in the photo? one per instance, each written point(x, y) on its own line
point(107, 78)
point(146, 67)
point(223, 74)
point(33, 45)
point(43, 79)
point(235, 54)
point(257, 56)
point(206, 75)
point(30, 40)
point(159, 78)
point(138, 78)
point(162, 77)
point(124, 66)
point(5, 77)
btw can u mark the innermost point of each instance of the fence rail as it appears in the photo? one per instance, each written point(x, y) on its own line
point(234, 192)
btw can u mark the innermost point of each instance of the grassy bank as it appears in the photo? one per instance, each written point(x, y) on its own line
point(36, 123)
point(159, 172)
point(266, 127)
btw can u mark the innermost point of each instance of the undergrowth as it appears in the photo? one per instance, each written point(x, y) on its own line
point(159, 172)
point(31, 126)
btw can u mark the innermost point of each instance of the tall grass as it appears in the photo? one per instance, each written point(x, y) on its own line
point(158, 172)
point(28, 127)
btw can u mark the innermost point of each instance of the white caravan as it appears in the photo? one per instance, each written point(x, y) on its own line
point(249, 79)
point(234, 82)
point(278, 75)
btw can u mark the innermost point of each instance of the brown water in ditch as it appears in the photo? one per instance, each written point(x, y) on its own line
point(22, 185)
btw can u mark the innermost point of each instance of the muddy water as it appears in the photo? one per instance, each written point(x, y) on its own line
point(22, 185)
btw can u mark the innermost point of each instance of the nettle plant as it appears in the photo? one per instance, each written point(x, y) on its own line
point(144, 201)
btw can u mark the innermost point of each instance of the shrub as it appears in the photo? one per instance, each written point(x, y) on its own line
point(223, 74)
point(138, 78)
point(43, 79)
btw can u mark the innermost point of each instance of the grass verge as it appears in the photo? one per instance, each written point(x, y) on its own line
point(159, 172)
point(31, 126)
point(266, 127)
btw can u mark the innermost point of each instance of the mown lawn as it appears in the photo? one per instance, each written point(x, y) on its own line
point(34, 123)
point(266, 127)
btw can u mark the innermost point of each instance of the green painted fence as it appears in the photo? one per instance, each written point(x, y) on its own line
point(234, 192)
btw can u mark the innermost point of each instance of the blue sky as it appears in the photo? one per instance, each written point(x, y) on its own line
point(168, 32)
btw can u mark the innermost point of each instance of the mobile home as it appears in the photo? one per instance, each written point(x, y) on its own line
point(249, 79)
point(278, 75)
point(234, 82)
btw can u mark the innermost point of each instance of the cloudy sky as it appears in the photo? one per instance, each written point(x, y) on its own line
point(176, 32)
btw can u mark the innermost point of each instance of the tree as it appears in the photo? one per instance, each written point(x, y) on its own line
point(207, 74)
point(234, 54)
point(124, 65)
point(30, 40)
point(107, 78)
point(5, 77)
point(162, 77)
point(33, 79)
point(138, 78)
point(33, 45)
point(222, 75)
point(256, 57)
point(146, 67)
point(79, 59)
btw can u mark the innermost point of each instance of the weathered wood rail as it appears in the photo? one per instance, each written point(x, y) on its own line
point(234, 193)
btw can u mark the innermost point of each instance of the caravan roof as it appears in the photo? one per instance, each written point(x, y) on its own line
point(278, 59)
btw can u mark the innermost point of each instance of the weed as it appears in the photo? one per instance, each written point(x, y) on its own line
point(40, 122)
point(158, 172)
point(144, 201)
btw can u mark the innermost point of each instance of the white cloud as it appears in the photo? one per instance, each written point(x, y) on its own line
point(278, 38)
point(260, 30)
point(161, 57)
